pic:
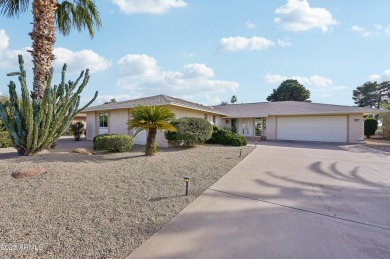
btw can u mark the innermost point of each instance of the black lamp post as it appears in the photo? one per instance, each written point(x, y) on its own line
point(187, 180)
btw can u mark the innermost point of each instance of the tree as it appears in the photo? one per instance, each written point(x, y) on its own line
point(111, 101)
point(151, 119)
point(223, 103)
point(34, 124)
point(78, 14)
point(233, 100)
point(371, 94)
point(370, 126)
point(289, 90)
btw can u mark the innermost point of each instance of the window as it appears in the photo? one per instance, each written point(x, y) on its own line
point(103, 120)
point(205, 116)
point(214, 120)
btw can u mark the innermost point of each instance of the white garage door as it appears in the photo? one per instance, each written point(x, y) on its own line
point(140, 139)
point(312, 128)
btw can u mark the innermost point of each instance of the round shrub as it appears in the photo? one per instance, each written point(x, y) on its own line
point(370, 126)
point(5, 140)
point(226, 137)
point(190, 131)
point(113, 142)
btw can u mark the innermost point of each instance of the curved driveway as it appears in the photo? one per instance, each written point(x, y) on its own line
point(287, 200)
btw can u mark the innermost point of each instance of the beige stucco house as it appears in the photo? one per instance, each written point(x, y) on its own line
point(290, 120)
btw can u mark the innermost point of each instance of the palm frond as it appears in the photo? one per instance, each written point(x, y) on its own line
point(151, 117)
point(11, 8)
point(81, 14)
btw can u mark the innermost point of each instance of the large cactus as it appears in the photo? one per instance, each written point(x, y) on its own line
point(35, 124)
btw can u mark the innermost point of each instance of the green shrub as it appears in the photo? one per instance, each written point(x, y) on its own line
point(5, 140)
point(112, 142)
point(190, 131)
point(226, 137)
point(370, 126)
point(77, 130)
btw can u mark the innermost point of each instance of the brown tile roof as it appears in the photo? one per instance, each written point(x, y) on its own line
point(264, 109)
point(155, 100)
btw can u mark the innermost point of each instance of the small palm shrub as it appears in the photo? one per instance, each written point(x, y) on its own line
point(190, 131)
point(370, 126)
point(113, 142)
point(5, 140)
point(77, 129)
point(226, 137)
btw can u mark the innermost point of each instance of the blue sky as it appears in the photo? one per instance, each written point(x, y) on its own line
point(207, 51)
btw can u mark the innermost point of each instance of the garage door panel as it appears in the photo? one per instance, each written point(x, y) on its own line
point(312, 128)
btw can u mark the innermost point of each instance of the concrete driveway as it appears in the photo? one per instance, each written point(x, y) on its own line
point(287, 200)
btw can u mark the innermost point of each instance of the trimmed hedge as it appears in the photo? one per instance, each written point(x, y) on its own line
point(370, 126)
point(5, 140)
point(112, 142)
point(190, 131)
point(226, 137)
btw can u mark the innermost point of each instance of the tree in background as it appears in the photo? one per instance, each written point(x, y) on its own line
point(290, 90)
point(151, 119)
point(111, 101)
point(223, 103)
point(233, 100)
point(371, 94)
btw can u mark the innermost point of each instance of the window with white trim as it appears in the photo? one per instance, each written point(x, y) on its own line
point(103, 120)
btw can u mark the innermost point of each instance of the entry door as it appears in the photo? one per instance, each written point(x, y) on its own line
point(246, 127)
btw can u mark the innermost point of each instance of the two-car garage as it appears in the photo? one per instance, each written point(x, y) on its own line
point(312, 128)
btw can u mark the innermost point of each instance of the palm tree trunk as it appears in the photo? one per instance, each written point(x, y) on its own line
point(151, 142)
point(43, 37)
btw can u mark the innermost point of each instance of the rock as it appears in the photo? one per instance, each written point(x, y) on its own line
point(83, 151)
point(28, 172)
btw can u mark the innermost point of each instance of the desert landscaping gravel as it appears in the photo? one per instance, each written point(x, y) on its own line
point(102, 205)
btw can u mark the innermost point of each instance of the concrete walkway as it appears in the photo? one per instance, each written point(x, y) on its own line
point(287, 200)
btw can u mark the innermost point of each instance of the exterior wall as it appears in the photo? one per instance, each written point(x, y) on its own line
point(117, 120)
point(355, 127)
point(91, 125)
point(386, 125)
point(270, 128)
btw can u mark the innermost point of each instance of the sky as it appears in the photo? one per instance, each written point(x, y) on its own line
point(206, 51)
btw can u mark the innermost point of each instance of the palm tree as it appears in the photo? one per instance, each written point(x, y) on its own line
point(79, 14)
point(151, 119)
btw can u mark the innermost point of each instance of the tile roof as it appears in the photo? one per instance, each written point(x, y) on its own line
point(155, 100)
point(264, 109)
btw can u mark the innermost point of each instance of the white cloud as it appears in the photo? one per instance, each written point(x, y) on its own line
point(377, 30)
point(242, 43)
point(364, 32)
point(4, 40)
point(285, 42)
point(79, 60)
point(76, 60)
point(250, 25)
point(148, 6)
point(297, 15)
point(385, 75)
point(318, 84)
point(140, 75)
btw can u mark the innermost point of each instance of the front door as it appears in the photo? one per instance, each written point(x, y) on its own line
point(246, 127)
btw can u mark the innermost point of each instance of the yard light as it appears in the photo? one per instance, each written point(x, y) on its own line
point(187, 180)
point(240, 152)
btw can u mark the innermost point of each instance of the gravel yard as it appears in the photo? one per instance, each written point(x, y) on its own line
point(100, 206)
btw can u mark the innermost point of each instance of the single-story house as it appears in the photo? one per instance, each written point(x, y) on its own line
point(289, 120)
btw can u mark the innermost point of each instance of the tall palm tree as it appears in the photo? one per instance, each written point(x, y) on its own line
point(151, 119)
point(78, 14)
